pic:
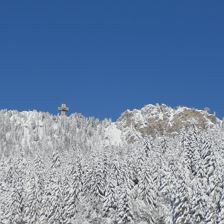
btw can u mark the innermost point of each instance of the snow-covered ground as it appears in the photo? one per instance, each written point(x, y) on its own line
point(113, 135)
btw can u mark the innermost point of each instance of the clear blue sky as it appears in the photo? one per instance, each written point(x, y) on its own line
point(102, 57)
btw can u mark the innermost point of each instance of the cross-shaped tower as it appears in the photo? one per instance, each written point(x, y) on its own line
point(63, 109)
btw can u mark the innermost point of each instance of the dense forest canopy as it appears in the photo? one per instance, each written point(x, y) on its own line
point(77, 170)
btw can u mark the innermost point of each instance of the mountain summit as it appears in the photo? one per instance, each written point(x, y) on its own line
point(163, 120)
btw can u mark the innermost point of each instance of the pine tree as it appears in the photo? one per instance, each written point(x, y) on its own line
point(147, 192)
point(69, 201)
point(109, 201)
point(180, 203)
point(95, 184)
point(17, 200)
point(124, 213)
point(55, 200)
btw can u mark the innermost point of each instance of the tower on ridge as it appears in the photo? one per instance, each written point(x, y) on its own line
point(63, 109)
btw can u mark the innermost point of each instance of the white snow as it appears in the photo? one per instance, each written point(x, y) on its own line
point(49, 163)
point(113, 135)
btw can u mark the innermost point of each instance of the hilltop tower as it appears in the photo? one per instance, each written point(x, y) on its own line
point(63, 109)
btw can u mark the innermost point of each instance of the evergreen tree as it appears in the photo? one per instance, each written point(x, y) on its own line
point(124, 213)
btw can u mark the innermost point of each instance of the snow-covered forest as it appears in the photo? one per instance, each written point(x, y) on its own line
point(77, 170)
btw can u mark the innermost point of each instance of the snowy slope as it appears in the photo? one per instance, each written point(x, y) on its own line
point(113, 135)
point(155, 165)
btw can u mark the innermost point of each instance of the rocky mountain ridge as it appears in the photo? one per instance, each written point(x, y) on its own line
point(163, 120)
point(152, 120)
